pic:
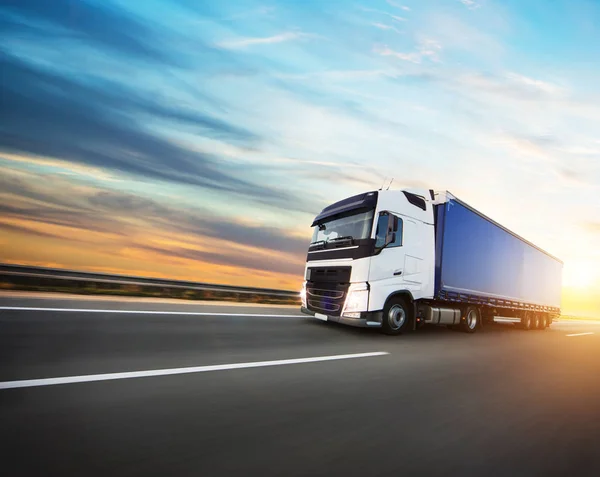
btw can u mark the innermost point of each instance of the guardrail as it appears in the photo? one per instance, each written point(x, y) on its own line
point(22, 277)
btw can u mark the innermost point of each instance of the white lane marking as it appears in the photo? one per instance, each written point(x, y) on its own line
point(167, 372)
point(148, 312)
point(580, 334)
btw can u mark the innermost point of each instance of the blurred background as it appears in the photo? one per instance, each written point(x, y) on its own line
point(196, 140)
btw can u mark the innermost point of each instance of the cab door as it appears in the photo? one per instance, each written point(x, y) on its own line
point(398, 260)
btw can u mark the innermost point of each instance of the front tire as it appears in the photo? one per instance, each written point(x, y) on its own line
point(397, 317)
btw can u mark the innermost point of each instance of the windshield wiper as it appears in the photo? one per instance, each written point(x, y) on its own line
point(318, 242)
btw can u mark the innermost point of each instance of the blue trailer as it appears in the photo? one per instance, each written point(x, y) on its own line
point(400, 259)
point(479, 261)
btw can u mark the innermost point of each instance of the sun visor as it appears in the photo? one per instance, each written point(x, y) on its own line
point(365, 201)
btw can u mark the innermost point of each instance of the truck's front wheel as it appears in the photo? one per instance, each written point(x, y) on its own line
point(397, 317)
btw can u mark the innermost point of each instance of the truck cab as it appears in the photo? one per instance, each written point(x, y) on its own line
point(366, 249)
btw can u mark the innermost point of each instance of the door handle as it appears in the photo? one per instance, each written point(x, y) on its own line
point(397, 272)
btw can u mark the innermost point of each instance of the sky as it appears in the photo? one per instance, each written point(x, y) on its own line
point(196, 139)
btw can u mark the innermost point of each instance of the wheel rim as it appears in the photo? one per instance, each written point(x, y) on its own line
point(472, 319)
point(396, 317)
point(536, 322)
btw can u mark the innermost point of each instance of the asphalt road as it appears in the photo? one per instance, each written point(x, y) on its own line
point(500, 402)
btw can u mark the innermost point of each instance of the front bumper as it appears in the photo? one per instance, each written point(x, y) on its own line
point(366, 320)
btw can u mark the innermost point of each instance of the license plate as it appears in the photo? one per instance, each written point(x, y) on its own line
point(321, 317)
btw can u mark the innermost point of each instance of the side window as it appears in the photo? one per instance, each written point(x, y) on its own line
point(381, 231)
point(399, 234)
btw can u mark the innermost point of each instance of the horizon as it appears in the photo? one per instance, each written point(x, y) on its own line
point(197, 142)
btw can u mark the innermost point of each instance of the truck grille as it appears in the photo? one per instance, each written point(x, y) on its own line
point(326, 289)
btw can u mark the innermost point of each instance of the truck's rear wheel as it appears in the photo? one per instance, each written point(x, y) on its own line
point(472, 319)
point(526, 321)
point(542, 321)
point(536, 322)
point(397, 317)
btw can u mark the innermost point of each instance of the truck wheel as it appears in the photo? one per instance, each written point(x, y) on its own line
point(526, 321)
point(471, 321)
point(543, 322)
point(397, 317)
point(536, 322)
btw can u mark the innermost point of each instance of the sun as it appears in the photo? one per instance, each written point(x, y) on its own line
point(578, 274)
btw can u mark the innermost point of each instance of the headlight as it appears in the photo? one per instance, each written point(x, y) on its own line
point(357, 300)
point(303, 294)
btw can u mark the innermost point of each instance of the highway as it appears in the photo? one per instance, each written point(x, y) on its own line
point(98, 387)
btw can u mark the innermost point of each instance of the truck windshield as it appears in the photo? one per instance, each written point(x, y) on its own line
point(356, 226)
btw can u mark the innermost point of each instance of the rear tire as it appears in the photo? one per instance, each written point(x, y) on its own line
point(472, 320)
point(536, 322)
point(397, 316)
point(526, 321)
point(541, 322)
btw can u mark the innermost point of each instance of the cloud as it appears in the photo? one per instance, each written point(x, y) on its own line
point(269, 40)
point(470, 4)
point(98, 124)
point(571, 176)
point(472, 40)
point(323, 98)
point(593, 227)
point(398, 5)
point(532, 84)
point(426, 49)
point(98, 23)
point(383, 26)
point(245, 261)
point(536, 147)
point(387, 14)
point(122, 221)
point(24, 230)
point(513, 85)
point(550, 154)
point(386, 51)
point(196, 222)
point(107, 210)
point(365, 180)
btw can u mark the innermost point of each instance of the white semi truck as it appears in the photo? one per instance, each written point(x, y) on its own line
point(397, 259)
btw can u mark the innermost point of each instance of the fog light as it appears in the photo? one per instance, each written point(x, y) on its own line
point(352, 315)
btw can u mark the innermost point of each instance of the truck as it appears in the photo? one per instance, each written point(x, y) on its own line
point(400, 259)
